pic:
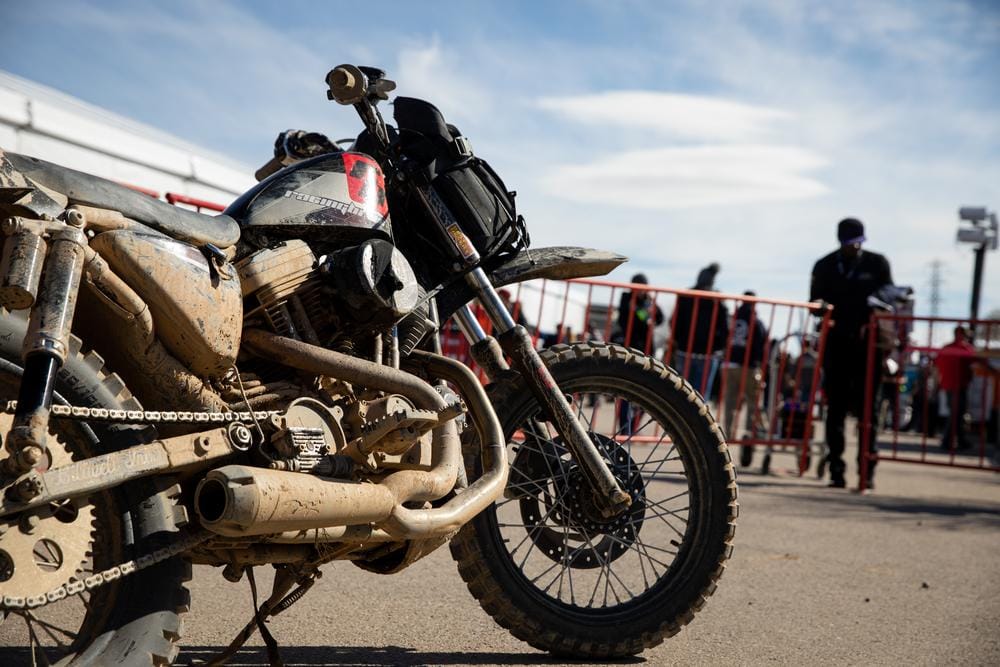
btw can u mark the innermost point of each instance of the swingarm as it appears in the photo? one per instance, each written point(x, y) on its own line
point(180, 453)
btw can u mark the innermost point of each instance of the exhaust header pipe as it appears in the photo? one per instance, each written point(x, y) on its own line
point(241, 500)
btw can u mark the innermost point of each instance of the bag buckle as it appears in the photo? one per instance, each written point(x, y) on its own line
point(461, 146)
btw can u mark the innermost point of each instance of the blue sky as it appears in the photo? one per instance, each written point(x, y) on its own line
point(679, 133)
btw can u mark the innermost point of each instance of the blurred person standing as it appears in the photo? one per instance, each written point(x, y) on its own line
point(698, 341)
point(638, 316)
point(954, 366)
point(845, 279)
point(638, 308)
point(923, 399)
point(515, 308)
point(743, 367)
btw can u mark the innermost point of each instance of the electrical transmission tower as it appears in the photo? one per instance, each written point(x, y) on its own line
point(935, 285)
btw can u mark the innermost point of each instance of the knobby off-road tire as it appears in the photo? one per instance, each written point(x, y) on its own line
point(135, 620)
point(496, 553)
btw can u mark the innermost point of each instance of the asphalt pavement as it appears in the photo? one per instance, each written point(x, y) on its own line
point(908, 575)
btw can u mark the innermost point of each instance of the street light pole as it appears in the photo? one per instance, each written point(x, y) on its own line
point(977, 280)
point(984, 237)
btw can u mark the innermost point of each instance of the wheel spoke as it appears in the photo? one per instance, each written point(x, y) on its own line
point(653, 474)
point(35, 643)
point(660, 462)
point(640, 548)
point(632, 434)
point(662, 516)
point(528, 533)
point(663, 513)
point(666, 500)
point(544, 572)
point(572, 595)
point(85, 601)
point(52, 626)
point(652, 450)
point(565, 565)
point(538, 529)
point(46, 628)
point(547, 439)
point(605, 567)
point(538, 482)
point(623, 585)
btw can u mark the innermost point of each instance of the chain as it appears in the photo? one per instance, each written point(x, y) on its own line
point(98, 579)
point(150, 416)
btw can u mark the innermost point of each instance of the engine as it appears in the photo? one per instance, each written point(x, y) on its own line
point(346, 300)
point(362, 289)
point(287, 289)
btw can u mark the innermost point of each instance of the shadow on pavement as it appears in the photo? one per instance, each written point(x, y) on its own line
point(933, 449)
point(311, 656)
point(755, 480)
point(827, 501)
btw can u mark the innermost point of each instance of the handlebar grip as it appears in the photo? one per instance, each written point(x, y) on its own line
point(348, 84)
point(273, 165)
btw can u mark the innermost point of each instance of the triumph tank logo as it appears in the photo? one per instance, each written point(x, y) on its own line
point(342, 207)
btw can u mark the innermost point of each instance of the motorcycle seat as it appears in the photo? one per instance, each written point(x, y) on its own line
point(81, 188)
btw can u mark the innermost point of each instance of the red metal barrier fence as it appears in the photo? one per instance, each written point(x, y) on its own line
point(750, 357)
point(762, 358)
point(197, 204)
point(940, 407)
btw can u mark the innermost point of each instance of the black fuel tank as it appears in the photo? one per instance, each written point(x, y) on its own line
point(338, 195)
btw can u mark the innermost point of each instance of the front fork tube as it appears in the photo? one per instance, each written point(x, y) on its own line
point(517, 343)
point(45, 348)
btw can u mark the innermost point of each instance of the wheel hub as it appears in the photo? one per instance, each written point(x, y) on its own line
point(596, 540)
point(43, 548)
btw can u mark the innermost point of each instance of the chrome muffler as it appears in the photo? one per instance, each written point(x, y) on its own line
point(240, 500)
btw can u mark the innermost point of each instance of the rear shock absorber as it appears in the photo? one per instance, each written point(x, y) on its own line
point(46, 343)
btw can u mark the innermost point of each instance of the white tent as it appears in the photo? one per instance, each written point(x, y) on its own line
point(44, 123)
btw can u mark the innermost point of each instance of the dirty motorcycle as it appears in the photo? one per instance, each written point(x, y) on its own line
point(266, 387)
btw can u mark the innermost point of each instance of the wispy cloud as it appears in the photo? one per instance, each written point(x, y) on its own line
point(672, 115)
point(428, 71)
point(676, 178)
point(721, 160)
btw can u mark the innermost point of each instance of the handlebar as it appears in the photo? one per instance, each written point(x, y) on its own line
point(294, 145)
point(351, 84)
point(273, 165)
point(348, 84)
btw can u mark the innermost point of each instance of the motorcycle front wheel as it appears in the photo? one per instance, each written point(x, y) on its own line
point(544, 562)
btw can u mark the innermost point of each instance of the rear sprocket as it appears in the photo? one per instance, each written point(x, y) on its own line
point(46, 547)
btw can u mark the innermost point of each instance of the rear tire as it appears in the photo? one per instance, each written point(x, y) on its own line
point(504, 583)
point(140, 623)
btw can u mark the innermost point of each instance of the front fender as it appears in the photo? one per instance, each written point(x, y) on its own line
point(556, 263)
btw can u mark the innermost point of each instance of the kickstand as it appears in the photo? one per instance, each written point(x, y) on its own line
point(279, 600)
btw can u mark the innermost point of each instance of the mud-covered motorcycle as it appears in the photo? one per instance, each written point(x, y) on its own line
point(266, 387)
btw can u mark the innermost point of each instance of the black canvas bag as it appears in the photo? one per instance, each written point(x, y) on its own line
point(468, 185)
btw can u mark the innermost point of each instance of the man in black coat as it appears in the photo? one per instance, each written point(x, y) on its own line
point(638, 315)
point(845, 279)
point(700, 330)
